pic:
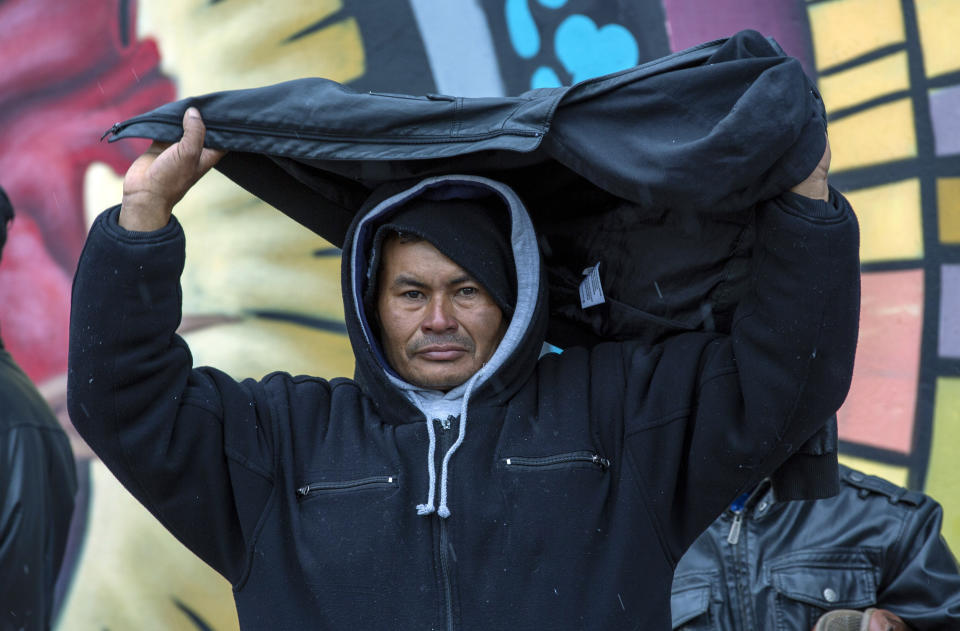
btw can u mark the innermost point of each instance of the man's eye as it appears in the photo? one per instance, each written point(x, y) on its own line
point(413, 294)
point(468, 291)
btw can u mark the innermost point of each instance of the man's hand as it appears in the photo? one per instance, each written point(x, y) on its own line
point(815, 186)
point(870, 620)
point(160, 178)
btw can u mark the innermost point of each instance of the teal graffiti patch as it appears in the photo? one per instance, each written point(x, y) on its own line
point(587, 51)
point(545, 77)
point(523, 30)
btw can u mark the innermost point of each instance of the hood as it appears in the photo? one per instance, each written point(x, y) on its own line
point(511, 363)
point(517, 353)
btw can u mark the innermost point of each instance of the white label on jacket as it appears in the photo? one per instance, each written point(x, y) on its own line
point(591, 293)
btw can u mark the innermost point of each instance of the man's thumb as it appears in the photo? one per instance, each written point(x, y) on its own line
point(193, 131)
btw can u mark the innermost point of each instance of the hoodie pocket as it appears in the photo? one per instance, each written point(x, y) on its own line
point(572, 460)
point(555, 501)
point(372, 483)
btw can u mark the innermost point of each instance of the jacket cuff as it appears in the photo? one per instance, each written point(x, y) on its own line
point(807, 477)
point(832, 208)
point(109, 220)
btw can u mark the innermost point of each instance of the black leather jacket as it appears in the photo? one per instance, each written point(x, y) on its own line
point(781, 565)
point(38, 480)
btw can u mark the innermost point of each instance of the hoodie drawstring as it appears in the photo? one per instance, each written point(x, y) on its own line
point(444, 511)
point(428, 507)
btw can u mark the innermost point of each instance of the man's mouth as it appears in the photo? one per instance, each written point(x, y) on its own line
point(441, 352)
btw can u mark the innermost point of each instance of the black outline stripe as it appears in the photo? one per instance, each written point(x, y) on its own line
point(123, 22)
point(198, 622)
point(320, 324)
point(875, 454)
point(891, 266)
point(337, 16)
point(76, 539)
point(948, 80)
point(923, 415)
point(874, 55)
point(884, 99)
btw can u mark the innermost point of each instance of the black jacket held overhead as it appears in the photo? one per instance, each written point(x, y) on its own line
point(559, 492)
point(654, 172)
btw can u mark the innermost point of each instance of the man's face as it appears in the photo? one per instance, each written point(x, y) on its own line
point(438, 324)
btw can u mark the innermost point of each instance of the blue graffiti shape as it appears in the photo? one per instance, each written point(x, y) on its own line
point(586, 51)
point(523, 30)
point(544, 77)
point(552, 4)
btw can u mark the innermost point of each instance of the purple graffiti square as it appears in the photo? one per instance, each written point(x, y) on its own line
point(945, 113)
point(950, 311)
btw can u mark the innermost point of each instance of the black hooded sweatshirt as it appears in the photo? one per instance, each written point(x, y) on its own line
point(558, 493)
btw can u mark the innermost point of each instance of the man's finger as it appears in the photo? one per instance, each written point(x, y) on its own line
point(193, 133)
point(209, 157)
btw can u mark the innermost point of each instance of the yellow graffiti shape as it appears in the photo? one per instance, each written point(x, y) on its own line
point(846, 29)
point(939, 23)
point(880, 134)
point(890, 221)
point(943, 476)
point(213, 46)
point(948, 203)
point(887, 75)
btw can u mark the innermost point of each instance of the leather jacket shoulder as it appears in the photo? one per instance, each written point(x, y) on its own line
point(772, 564)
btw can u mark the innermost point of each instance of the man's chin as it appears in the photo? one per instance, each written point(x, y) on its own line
point(442, 381)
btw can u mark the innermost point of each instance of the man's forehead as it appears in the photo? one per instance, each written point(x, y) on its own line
point(417, 260)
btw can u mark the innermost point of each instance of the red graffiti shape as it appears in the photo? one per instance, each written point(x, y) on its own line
point(68, 71)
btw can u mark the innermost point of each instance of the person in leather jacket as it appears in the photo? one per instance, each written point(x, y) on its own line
point(765, 564)
point(38, 480)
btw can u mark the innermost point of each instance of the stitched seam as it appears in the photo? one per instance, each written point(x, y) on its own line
point(663, 420)
point(657, 526)
point(234, 455)
point(271, 499)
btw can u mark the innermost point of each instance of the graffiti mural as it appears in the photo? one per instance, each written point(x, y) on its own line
point(261, 294)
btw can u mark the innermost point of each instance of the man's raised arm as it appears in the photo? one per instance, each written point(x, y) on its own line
point(181, 440)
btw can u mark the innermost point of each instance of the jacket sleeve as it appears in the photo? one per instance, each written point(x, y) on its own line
point(193, 445)
point(920, 579)
point(708, 415)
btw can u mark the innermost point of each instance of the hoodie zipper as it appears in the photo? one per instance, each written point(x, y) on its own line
point(558, 460)
point(444, 430)
point(302, 135)
point(346, 485)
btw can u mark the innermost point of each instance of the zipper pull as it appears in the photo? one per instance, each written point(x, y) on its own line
point(303, 490)
point(446, 423)
point(112, 130)
point(603, 462)
point(734, 536)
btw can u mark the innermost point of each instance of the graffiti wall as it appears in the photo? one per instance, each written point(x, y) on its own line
point(261, 294)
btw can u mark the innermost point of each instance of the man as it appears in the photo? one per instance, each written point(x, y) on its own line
point(871, 556)
point(38, 480)
point(458, 482)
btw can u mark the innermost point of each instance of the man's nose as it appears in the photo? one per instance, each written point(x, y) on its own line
point(439, 316)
